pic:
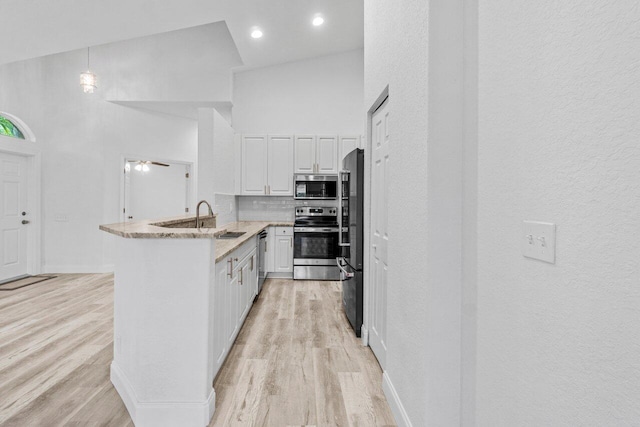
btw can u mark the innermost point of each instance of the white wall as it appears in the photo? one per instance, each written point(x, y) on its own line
point(320, 95)
point(82, 138)
point(559, 119)
point(415, 47)
point(193, 64)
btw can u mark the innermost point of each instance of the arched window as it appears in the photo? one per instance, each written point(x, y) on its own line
point(8, 128)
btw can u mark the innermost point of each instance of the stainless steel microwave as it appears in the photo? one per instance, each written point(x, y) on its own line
point(316, 187)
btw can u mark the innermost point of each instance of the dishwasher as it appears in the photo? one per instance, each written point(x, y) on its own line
point(262, 259)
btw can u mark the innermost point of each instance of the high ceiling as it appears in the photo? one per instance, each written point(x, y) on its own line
point(33, 28)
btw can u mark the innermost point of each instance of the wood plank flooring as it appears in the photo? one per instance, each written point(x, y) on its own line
point(295, 362)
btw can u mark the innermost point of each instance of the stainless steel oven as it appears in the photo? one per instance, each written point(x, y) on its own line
point(315, 187)
point(315, 243)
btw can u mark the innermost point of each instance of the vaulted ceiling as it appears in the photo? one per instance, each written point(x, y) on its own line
point(33, 28)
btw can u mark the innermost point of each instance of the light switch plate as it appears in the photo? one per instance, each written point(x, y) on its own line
point(539, 241)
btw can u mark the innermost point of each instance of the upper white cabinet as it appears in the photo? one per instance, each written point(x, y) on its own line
point(316, 154)
point(267, 165)
point(280, 165)
point(305, 154)
point(347, 144)
point(254, 164)
point(327, 154)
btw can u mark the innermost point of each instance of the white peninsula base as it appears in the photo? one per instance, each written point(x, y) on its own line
point(163, 344)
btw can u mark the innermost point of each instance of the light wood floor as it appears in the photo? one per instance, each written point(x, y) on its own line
point(295, 362)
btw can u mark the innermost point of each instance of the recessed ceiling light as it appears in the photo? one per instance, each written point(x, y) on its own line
point(256, 33)
point(317, 21)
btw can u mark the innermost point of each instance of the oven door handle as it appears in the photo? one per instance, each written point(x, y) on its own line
point(344, 271)
point(314, 230)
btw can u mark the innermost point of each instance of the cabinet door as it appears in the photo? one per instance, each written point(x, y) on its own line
point(347, 144)
point(305, 154)
point(327, 154)
point(253, 267)
point(220, 307)
point(244, 282)
point(254, 166)
point(232, 309)
point(284, 254)
point(280, 169)
point(270, 263)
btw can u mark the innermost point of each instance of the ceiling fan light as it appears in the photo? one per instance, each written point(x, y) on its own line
point(256, 33)
point(317, 21)
point(145, 168)
point(138, 167)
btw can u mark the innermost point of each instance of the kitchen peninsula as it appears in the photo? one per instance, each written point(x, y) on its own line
point(181, 295)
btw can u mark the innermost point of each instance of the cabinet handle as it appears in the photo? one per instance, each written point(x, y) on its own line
point(269, 187)
point(241, 276)
point(291, 242)
point(251, 263)
point(265, 189)
point(230, 261)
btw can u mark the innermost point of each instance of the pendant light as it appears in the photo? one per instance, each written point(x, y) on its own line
point(88, 80)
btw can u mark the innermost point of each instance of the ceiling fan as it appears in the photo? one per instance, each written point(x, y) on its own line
point(143, 165)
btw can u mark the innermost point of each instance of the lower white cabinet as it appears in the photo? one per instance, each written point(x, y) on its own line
point(235, 288)
point(280, 250)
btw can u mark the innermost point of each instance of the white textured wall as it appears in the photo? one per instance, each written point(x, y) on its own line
point(319, 95)
point(82, 138)
point(559, 126)
point(415, 47)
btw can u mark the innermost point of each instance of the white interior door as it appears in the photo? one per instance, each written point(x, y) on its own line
point(13, 203)
point(379, 233)
point(159, 192)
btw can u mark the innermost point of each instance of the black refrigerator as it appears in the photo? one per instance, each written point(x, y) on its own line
point(351, 238)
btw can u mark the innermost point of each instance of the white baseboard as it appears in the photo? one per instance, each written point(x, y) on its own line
point(364, 334)
point(399, 413)
point(280, 275)
point(169, 414)
point(85, 269)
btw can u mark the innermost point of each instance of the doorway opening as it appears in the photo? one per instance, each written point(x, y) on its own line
point(154, 189)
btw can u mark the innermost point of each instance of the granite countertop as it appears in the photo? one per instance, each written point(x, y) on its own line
point(225, 246)
point(148, 229)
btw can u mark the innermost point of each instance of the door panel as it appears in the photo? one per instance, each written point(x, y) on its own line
point(254, 168)
point(305, 153)
point(284, 254)
point(379, 233)
point(327, 154)
point(280, 169)
point(347, 144)
point(13, 201)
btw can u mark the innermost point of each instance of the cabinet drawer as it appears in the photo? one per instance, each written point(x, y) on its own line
point(283, 231)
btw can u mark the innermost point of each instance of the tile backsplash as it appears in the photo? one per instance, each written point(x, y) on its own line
point(273, 208)
point(226, 206)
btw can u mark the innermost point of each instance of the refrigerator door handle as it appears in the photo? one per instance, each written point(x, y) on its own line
point(344, 271)
point(343, 175)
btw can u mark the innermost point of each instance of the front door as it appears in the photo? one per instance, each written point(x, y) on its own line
point(379, 232)
point(13, 216)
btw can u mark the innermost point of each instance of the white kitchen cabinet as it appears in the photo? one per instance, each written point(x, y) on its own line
point(346, 144)
point(234, 291)
point(267, 165)
point(254, 164)
point(283, 253)
point(280, 251)
point(316, 154)
point(327, 154)
point(305, 154)
point(280, 166)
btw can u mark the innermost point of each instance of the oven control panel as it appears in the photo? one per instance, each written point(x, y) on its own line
point(316, 211)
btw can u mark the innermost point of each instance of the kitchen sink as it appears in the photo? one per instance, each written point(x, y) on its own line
point(231, 235)
point(207, 222)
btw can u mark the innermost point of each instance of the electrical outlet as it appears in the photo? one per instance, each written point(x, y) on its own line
point(539, 241)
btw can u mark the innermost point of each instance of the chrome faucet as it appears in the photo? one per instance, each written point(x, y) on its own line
point(198, 212)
